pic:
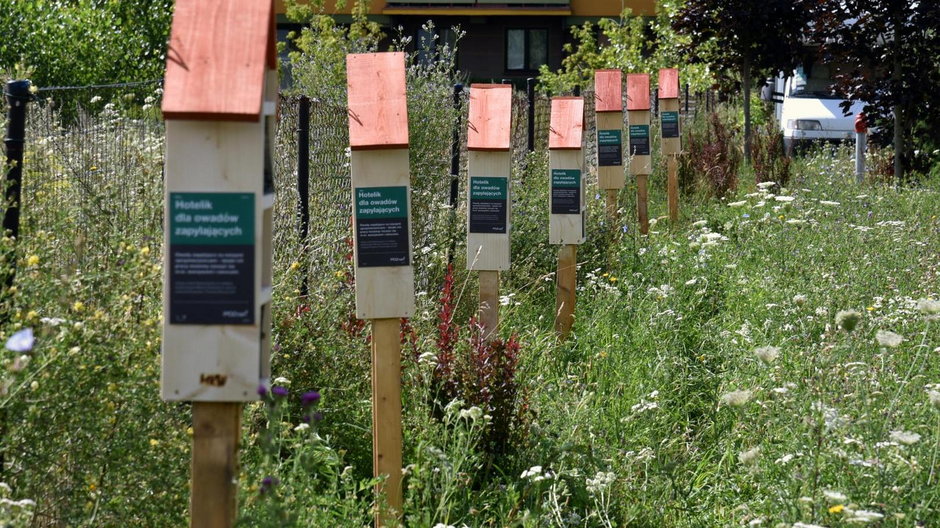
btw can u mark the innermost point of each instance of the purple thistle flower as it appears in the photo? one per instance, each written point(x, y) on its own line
point(279, 391)
point(309, 398)
point(262, 391)
point(268, 483)
point(305, 418)
point(317, 416)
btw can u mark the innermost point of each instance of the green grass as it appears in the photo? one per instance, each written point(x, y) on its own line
point(631, 422)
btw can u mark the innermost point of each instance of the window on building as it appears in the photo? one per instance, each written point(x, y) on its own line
point(526, 49)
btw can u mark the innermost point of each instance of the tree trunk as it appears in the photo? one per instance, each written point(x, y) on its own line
point(746, 82)
point(896, 88)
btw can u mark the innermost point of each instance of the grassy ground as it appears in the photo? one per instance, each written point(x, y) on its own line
point(710, 379)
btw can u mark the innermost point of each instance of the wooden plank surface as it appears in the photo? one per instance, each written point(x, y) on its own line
point(216, 433)
point(566, 228)
point(216, 59)
point(567, 123)
point(669, 83)
point(386, 415)
point(608, 91)
point(566, 280)
point(489, 126)
point(672, 188)
point(213, 362)
point(638, 91)
point(489, 302)
point(489, 251)
point(642, 203)
point(378, 109)
point(387, 291)
point(612, 177)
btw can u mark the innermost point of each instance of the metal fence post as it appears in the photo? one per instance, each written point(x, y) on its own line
point(303, 182)
point(454, 171)
point(17, 95)
point(530, 95)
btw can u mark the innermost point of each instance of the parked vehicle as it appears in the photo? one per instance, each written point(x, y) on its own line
point(807, 110)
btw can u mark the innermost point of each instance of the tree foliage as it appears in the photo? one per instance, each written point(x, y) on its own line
point(892, 52)
point(81, 42)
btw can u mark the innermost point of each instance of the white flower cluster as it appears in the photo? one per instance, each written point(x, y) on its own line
point(601, 481)
point(535, 474)
point(736, 398)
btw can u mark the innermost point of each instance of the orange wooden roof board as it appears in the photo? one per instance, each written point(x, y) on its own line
point(669, 83)
point(489, 126)
point(638, 91)
point(567, 123)
point(378, 109)
point(608, 91)
point(216, 60)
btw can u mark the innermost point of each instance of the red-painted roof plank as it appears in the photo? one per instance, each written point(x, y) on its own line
point(567, 123)
point(378, 109)
point(608, 91)
point(216, 60)
point(638, 91)
point(669, 83)
point(490, 124)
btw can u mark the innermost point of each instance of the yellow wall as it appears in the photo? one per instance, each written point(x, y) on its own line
point(587, 8)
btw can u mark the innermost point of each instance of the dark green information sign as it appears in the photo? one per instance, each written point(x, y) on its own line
point(670, 122)
point(609, 150)
point(566, 191)
point(382, 226)
point(488, 200)
point(212, 258)
point(639, 140)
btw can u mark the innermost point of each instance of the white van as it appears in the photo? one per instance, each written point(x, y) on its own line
point(807, 111)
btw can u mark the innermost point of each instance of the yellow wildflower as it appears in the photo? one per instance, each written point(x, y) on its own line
point(294, 266)
point(836, 509)
point(78, 306)
point(154, 442)
point(32, 261)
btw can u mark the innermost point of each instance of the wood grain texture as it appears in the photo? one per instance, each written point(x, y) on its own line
point(669, 83)
point(386, 416)
point(612, 207)
point(489, 302)
point(612, 177)
point(638, 91)
point(672, 188)
point(566, 281)
point(489, 126)
point(378, 108)
point(216, 433)
point(489, 251)
point(566, 228)
point(387, 291)
point(567, 123)
point(639, 164)
point(214, 156)
point(670, 146)
point(216, 59)
point(642, 203)
point(608, 91)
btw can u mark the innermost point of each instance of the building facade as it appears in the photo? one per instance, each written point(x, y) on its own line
point(504, 39)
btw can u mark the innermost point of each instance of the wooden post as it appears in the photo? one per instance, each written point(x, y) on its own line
point(641, 162)
point(671, 140)
point(489, 131)
point(608, 108)
point(381, 197)
point(386, 414)
point(565, 295)
point(567, 203)
point(216, 433)
point(219, 104)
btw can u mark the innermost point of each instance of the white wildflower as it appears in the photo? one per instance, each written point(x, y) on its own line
point(737, 204)
point(848, 319)
point(785, 199)
point(905, 437)
point(601, 481)
point(767, 354)
point(427, 358)
point(828, 202)
point(736, 398)
point(700, 223)
point(21, 341)
point(281, 380)
point(863, 516)
point(934, 397)
point(888, 339)
point(799, 299)
point(302, 427)
point(834, 496)
point(928, 306)
point(804, 525)
point(766, 185)
point(531, 472)
point(749, 457)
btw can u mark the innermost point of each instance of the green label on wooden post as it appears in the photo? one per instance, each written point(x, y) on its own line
point(609, 150)
point(639, 140)
point(670, 124)
point(212, 258)
point(566, 191)
point(382, 226)
point(488, 200)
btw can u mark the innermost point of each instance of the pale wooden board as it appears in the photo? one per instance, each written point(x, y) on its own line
point(567, 123)
point(668, 84)
point(566, 228)
point(612, 177)
point(639, 164)
point(386, 415)
point(489, 251)
point(608, 91)
point(214, 156)
point(378, 107)
point(388, 291)
point(638, 91)
point(566, 282)
point(489, 302)
point(670, 146)
point(216, 435)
